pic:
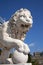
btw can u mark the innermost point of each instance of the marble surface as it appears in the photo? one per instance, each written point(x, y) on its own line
point(12, 35)
point(19, 64)
point(24, 64)
point(18, 57)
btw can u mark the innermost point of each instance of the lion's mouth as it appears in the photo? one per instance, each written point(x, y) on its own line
point(22, 25)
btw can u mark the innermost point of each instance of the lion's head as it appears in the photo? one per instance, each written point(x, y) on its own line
point(22, 20)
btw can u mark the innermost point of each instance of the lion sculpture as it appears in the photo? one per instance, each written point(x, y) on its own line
point(12, 35)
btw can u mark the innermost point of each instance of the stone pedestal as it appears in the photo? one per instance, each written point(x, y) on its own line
point(19, 64)
point(24, 64)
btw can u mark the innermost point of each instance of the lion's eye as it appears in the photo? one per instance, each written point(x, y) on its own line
point(30, 16)
point(22, 16)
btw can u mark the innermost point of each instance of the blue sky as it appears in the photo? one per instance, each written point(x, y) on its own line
point(34, 37)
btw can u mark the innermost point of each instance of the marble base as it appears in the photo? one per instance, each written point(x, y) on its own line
point(24, 64)
point(18, 64)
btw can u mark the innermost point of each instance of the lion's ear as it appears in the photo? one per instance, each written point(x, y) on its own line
point(15, 19)
point(11, 20)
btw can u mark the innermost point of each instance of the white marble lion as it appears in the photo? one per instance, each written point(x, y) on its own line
point(12, 35)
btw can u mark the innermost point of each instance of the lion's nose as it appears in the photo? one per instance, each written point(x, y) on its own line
point(27, 20)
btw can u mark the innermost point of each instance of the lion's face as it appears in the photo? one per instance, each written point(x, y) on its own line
point(23, 20)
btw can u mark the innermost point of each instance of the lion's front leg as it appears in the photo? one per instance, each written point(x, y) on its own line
point(4, 55)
